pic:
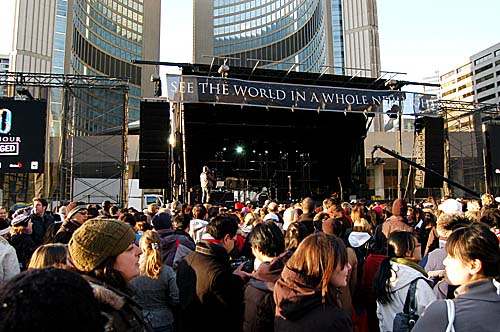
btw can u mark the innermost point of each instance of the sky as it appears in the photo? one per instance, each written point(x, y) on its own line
point(417, 38)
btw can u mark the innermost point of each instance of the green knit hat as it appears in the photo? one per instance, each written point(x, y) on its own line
point(98, 239)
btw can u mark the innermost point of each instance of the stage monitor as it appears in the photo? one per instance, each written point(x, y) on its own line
point(22, 135)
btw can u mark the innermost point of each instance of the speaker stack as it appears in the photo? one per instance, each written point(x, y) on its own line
point(154, 164)
point(430, 152)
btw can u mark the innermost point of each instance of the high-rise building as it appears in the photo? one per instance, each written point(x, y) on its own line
point(476, 80)
point(107, 34)
point(334, 36)
point(4, 67)
point(88, 37)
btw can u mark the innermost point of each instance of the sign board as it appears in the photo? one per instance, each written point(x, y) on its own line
point(196, 89)
point(22, 136)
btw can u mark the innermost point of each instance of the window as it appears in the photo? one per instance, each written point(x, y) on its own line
point(488, 97)
point(480, 70)
point(485, 88)
point(485, 78)
point(483, 59)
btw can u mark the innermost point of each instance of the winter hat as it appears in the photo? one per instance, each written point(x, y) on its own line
point(330, 226)
point(238, 206)
point(161, 220)
point(73, 208)
point(450, 206)
point(98, 239)
point(20, 220)
point(399, 207)
point(4, 227)
point(49, 290)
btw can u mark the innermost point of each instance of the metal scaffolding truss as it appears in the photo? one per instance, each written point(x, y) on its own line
point(88, 148)
point(463, 108)
point(466, 141)
point(63, 80)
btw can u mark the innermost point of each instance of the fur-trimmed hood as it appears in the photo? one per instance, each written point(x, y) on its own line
point(108, 296)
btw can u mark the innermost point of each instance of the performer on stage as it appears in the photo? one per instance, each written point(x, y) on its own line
point(207, 180)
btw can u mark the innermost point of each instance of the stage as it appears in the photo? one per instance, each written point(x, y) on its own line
point(288, 154)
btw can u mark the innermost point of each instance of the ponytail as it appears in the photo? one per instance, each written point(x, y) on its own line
point(398, 244)
point(152, 264)
point(381, 284)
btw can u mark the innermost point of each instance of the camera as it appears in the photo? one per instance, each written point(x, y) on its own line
point(248, 264)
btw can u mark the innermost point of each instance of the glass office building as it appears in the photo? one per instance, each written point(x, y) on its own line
point(300, 35)
point(88, 37)
point(106, 35)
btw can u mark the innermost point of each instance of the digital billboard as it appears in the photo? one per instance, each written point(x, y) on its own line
point(22, 135)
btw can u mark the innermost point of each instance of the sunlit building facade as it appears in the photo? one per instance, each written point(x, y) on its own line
point(88, 37)
point(106, 36)
point(333, 36)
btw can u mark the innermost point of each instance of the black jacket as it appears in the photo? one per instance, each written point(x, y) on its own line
point(119, 311)
point(65, 232)
point(209, 292)
point(24, 245)
point(40, 225)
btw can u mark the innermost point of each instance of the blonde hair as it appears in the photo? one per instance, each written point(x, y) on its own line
point(317, 257)
point(362, 225)
point(152, 263)
point(51, 254)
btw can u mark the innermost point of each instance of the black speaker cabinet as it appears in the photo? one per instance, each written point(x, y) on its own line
point(154, 161)
point(492, 135)
point(434, 151)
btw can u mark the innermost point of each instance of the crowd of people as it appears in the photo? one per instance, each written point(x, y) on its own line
point(307, 266)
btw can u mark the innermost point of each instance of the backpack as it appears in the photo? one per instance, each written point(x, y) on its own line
point(404, 321)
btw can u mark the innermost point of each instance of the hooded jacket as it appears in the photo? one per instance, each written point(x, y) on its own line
point(402, 276)
point(259, 302)
point(119, 310)
point(395, 223)
point(173, 241)
point(299, 306)
point(477, 308)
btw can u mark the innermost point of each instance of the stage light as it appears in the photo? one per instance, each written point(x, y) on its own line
point(239, 150)
point(224, 70)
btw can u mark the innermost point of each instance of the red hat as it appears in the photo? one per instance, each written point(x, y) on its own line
point(238, 206)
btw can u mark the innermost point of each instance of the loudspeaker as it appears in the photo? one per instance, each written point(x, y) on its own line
point(154, 161)
point(434, 151)
point(492, 135)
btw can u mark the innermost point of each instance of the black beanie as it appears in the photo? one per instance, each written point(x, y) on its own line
point(49, 299)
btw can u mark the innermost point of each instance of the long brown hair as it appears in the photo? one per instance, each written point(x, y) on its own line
point(317, 258)
point(152, 263)
point(51, 254)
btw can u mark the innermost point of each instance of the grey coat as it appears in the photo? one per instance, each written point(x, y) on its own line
point(477, 308)
point(157, 297)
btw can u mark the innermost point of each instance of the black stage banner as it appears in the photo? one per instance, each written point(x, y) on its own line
point(218, 90)
point(22, 136)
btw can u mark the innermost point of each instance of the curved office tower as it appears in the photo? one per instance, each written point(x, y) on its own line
point(301, 35)
point(106, 35)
